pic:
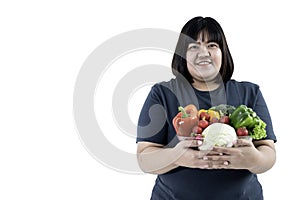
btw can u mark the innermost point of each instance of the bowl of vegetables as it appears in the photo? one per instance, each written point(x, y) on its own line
point(219, 125)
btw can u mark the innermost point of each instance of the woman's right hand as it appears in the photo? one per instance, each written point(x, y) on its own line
point(155, 158)
point(189, 156)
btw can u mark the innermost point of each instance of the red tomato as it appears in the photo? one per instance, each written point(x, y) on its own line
point(242, 131)
point(197, 130)
point(203, 124)
point(224, 120)
point(214, 120)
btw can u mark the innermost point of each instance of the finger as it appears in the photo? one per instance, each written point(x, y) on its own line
point(223, 165)
point(216, 158)
point(211, 153)
point(202, 164)
point(224, 150)
point(212, 164)
point(217, 164)
point(191, 143)
point(203, 154)
point(205, 164)
point(243, 142)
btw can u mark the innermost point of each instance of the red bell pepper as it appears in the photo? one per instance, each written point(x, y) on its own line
point(185, 120)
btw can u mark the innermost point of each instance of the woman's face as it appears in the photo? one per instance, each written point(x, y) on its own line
point(204, 59)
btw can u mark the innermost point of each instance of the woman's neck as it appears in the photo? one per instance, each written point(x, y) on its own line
point(205, 86)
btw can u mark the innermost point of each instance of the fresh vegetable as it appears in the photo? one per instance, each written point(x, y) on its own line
point(197, 130)
point(259, 130)
point(243, 116)
point(242, 131)
point(218, 134)
point(203, 115)
point(208, 114)
point(224, 119)
point(223, 109)
point(203, 123)
point(190, 122)
point(185, 120)
point(213, 120)
point(213, 114)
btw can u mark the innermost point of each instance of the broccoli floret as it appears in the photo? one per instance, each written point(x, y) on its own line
point(223, 109)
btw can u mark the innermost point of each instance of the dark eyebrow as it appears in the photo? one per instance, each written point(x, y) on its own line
point(209, 41)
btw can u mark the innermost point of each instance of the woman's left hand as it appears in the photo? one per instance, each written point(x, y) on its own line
point(243, 155)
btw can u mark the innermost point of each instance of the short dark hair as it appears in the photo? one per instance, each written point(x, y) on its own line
point(189, 34)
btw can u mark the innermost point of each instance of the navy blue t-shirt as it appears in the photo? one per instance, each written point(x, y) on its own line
point(155, 125)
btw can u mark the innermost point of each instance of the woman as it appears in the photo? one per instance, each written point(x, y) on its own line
point(203, 67)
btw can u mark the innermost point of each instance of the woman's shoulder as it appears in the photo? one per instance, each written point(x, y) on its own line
point(161, 86)
point(166, 86)
point(242, 92)
point(242, 84)
point(176, 90)
point(162, 89)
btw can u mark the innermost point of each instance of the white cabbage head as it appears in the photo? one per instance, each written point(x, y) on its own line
point(218, 134)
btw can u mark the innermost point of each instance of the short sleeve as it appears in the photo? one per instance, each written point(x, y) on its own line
point(261, 109)
point(249, 94)
point(152, 122)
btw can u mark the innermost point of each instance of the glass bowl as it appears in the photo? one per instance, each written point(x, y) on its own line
point(248, 137)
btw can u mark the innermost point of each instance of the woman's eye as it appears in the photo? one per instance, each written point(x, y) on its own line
point(193, 47)
point(213, 45)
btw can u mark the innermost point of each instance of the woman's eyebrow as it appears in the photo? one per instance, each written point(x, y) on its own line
point(199, 42)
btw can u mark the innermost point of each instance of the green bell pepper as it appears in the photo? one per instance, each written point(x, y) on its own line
point(243, 116)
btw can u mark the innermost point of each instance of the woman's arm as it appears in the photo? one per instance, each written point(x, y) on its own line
point(257, 157)
point(266, 149)
point(154, 158)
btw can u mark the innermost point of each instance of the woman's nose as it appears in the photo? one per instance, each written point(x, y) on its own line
point(203, 51)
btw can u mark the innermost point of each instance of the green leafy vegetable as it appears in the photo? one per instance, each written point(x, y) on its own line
point(243, 116)
point(223, 109)
point(259, 130)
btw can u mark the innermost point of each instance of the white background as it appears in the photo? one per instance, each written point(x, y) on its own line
point(43, 46)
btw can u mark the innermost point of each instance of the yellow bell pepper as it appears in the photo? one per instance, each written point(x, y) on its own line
point(213, 114)
point(200, 111)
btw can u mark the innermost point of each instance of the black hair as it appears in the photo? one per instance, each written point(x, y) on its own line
point(189, 34)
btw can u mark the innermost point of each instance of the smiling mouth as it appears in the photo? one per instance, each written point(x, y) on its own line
point(203, 62)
